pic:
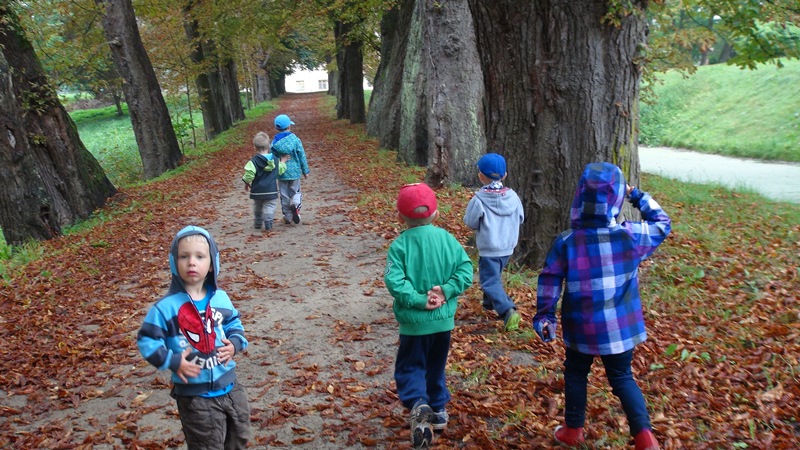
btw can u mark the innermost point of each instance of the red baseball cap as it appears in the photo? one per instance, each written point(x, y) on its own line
point(412, 196)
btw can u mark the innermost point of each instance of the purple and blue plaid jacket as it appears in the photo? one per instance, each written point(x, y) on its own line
point(597, 262)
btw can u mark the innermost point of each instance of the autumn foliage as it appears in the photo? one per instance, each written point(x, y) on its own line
point(720, 368)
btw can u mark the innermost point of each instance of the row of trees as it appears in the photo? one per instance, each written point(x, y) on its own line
point(211, 48)
point(552, 85)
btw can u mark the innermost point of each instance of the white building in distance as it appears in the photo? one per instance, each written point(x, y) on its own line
point(303, 80)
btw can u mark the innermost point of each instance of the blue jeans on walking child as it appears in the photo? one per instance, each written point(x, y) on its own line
point(490, 271)
point(419, 369)
point(618, 371)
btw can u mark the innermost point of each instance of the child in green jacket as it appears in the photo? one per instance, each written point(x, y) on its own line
point(426, 270)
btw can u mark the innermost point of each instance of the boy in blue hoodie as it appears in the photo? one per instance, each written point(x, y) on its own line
point(596, 262)
point(195, 331)
point(495, 213)
point(286, 143)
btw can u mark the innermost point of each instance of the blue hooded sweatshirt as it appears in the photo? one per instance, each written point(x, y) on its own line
point(287, 143)
point(175, 322)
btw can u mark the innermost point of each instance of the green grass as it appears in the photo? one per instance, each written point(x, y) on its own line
point(723, 109)
point(110, 139)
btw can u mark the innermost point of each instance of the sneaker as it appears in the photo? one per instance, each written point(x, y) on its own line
point(296, 213)
point(487, 304)
point(257, 225)
point(571, 437)
point(421, 431)
point(268, 225)
point(511, 320)
point(439, 421)
point(645, 440)
point(286, 221)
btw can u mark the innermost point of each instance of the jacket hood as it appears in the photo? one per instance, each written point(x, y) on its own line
point(598, 199)
point(176, 285)
point(501, 202)
point(278, 141)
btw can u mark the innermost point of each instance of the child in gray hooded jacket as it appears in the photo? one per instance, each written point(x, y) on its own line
point(495, 212)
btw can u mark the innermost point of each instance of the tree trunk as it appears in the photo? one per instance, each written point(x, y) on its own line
point(217, 87)
point(340, 30)
point(263, 92)
point(354, 68)
point(350, 84)
point(455, 93)
point(152, 125)
point(118, 103)
point(562, 90)
point(413, 140)
point(383, 118)
point(726, 53)
point(49, 180)
point(230, 91)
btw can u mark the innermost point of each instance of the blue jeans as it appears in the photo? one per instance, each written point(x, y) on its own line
point(620, 377)
point(490, 270)
point(419, 369)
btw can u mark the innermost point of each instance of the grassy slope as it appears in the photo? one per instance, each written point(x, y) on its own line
point(722, 109)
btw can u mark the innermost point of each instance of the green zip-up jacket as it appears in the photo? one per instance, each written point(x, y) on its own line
point(419, 259)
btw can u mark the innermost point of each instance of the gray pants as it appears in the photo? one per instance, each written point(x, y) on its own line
point(290, 195)
point(216, 423)
point(264, 210)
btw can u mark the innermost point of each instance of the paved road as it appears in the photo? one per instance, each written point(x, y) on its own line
point(776, 181)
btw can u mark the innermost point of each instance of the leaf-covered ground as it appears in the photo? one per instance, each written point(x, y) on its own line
point(720, 369)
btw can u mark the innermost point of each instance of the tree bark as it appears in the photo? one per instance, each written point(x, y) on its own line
point(49, 180)
point(562, 90)
point(354, 69)
point(350, 83)
point(263, 92)
point(454, 93)
point(340, 30)
point(152, 125)
point(383, 118)
point(428, 96)
point(413, 140)
point(218, 86)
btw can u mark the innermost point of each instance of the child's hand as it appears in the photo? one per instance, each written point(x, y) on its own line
point(435, 298)
point(285, 158)
point(225, 354)
point(187, 369)
point(545, 330)
point(628, 189)
point(246, 187)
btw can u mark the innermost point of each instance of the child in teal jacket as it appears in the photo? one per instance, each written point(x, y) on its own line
point(426, 270)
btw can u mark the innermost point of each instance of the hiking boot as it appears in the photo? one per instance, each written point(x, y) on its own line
point(645, 440)
point(421, 431)
point(511, 320)
point(439, 421)
point(571, 437)
point(268, 225)
point(295, 213)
